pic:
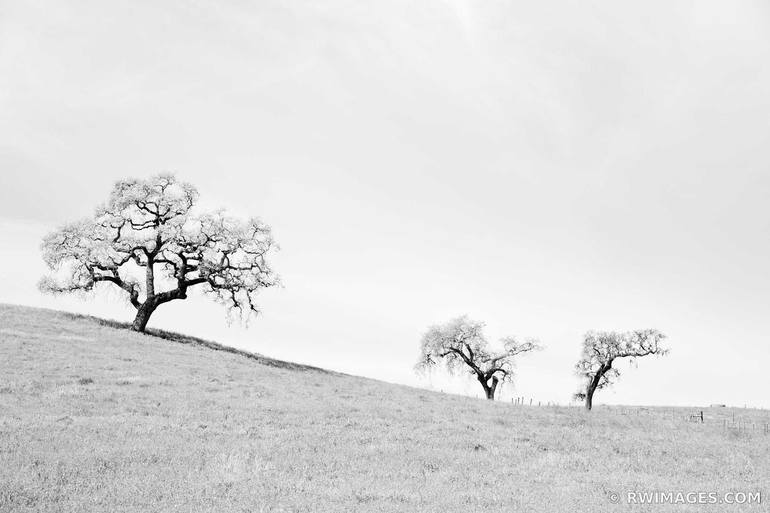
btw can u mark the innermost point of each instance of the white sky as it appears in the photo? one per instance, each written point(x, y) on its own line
point(548, 167)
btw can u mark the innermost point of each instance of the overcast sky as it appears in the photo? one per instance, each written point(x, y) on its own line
point(547, 167)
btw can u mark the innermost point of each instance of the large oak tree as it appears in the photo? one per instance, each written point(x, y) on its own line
point(460, 344)
point(149, 241)
point(602, 348)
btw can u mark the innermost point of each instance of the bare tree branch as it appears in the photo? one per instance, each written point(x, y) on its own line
point(148, 241)
point(601, 349)
point(460, 344)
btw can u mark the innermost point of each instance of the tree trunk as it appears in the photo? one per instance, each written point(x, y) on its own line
point(489, 390)
point(143, 316)
point(594, 383)
point(590, 397)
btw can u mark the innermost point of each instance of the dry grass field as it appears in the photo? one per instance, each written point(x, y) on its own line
point(97, 418)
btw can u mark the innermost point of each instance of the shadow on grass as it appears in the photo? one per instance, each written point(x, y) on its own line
point(195, 341)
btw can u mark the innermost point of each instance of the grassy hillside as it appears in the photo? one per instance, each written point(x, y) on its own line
point(97, 418)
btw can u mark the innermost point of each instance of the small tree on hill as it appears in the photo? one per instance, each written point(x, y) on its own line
point(601, 349)
point(460, 345)
point(148, 242)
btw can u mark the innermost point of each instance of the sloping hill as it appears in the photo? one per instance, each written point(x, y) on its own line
point(98, 418)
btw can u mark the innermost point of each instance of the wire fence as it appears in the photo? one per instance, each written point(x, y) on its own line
point(732, 420)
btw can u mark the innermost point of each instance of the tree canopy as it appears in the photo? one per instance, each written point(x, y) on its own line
point(460, 345)
point(149, 241)
point(602, 348)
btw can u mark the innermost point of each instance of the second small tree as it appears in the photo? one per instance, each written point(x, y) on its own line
point(460, 344)
point(602, 348)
